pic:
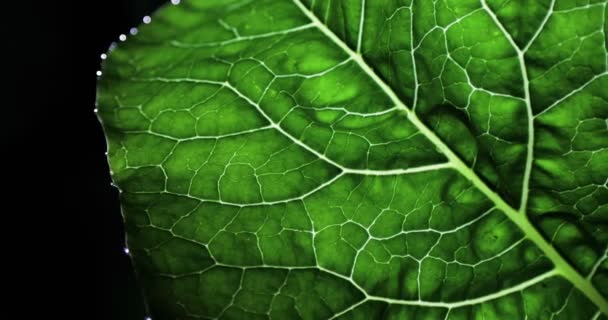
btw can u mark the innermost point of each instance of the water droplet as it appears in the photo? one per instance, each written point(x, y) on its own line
point(122, 37)
point(147, 19)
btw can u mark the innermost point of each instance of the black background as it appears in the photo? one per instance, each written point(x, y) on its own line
point(61, 217)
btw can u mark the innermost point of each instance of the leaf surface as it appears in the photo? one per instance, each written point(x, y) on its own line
point(365, 159)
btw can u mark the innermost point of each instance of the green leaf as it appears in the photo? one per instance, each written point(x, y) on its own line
point(365, 159)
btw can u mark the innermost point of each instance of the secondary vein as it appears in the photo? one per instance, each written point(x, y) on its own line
point(523, 203)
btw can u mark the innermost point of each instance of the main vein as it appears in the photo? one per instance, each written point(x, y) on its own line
point(562, 266)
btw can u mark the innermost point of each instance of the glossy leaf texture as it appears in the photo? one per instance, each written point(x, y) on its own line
point(364, 159)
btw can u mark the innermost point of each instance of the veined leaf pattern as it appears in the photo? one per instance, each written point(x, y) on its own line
point(365, 159)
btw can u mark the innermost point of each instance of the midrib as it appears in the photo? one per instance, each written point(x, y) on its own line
point(562, 266)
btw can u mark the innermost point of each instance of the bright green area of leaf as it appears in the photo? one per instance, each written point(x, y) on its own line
point(365, 159)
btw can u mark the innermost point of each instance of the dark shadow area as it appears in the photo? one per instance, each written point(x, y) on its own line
point(53, 158)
